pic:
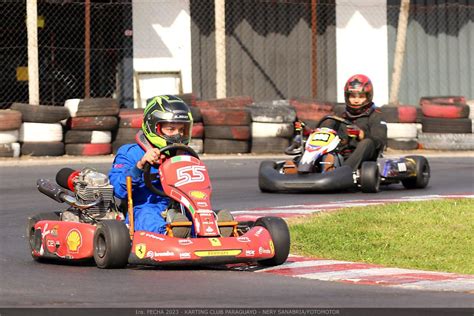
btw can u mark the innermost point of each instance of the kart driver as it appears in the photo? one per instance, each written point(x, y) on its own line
point(366, 138)
point(167, 120)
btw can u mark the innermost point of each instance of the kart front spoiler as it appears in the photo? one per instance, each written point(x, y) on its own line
point(271, 180)
point(161, 250)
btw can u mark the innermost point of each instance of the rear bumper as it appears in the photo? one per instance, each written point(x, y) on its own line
point(270, 180)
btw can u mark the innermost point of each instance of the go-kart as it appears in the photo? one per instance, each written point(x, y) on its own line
point(94, 227)
point(312, 171)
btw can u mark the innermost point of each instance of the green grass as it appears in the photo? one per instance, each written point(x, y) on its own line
point(429, 235)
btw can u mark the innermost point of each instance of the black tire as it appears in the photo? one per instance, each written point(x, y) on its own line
point(34, 238)
point(41, 113)
point(423, 174)
point(10, 120)
point(196, 113)
point(369, 177)
point(98, 107)
point(38, 149)
point(225, 146)
point(264, 145)
point(443, 125)
point(280, 234)
point(112, 245)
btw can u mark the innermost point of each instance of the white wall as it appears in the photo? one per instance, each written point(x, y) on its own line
point(361, 35)
point(162, 42)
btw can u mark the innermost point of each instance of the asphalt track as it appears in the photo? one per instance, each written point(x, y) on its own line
point(25, 283)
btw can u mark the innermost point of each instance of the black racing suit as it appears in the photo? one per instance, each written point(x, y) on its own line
point(375, 137)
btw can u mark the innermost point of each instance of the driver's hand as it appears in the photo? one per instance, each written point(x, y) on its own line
point(152, 156)
point(355, 131)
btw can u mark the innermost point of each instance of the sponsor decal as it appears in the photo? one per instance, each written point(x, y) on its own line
point(140, 250)
point(185, 242)
point(218, 253)
point(150, 254)
point(54, 231)
point(118, 165)
point(243, 239)
point(209, 230)
point(185, 255)
point(73, 240)
point(198, 195)
point(164, 254)
point(202, 204)
point(215, 242)
point(154, 237)
point(262, 250)
point(272, 247)
point(250, 253)
point(189, 174)
point(258, 232)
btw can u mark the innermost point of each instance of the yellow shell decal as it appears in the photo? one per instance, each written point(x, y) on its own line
point(73, 240)
point(215, 242)
point(198, 194)
point(140, 250)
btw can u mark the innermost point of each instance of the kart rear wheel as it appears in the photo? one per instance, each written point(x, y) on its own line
point(369, 177)
point(34, 237)
point(422, 174)
point(280, 234)
point(112, 245)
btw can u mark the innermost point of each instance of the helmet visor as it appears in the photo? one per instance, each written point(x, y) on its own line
point(175, 132)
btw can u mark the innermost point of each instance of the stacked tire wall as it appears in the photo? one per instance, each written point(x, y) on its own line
point(272, 126)
point(10, 123)
point(90, 127)
point(41, 131)
point(447, 123)
point(403, 125)
point(226, 125)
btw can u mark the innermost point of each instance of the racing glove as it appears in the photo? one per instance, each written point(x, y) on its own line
point(353, 131)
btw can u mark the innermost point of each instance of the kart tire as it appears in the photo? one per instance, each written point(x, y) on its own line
point(112, 245)
point(423, 174)
point(238, 102)
point(34, 238)
point(196, 113)
point(225, 216)
point(10, 120)
point(280, 234)
point(41, 113)
point(130, 118)
point(369, 177)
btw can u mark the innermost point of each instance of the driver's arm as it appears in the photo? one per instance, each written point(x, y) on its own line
point(377, 130)
point(152, 156)
point(125, 164)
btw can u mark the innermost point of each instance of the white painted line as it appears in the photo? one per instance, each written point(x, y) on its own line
point(356, 274)
point(303, 264)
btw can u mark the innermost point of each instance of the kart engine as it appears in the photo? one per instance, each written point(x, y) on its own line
point(88, 192)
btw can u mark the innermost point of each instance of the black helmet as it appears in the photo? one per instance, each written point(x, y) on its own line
point(166, 109)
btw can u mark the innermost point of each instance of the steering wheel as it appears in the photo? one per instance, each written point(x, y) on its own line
point(168, 151)
point(334, 118)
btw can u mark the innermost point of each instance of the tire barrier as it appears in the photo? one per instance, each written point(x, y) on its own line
point(225, 116)
point(272, 130)
point(225, 146)
point(232, 102)
point(402, 130)
point(198, 130)
point(90, 123)
point(445, 110)
point(470, 104)
point(311, 111)
point(40, 113)
point(41, 132)
point(11, 136)
point(88, 149)
point(130, 118)
point(10, 120)
point(402, 144)
point(446, 141)
point(42, 149)
point(443, 99)
point(231, 132)
point(196, 113)
point(197, 145)
point(11, 150)
point(399, 114)
point(279, 111)
point(442, 125)
point(94, 107)
point(92, 137)
point(272, 145)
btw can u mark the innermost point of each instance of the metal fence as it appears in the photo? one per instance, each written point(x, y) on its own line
point(275, 49)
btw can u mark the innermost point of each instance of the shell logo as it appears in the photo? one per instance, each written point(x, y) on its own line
point(198, 194)
point(73, 240)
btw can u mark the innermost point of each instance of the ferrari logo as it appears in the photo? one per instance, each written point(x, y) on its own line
point(272, 247)
point(140, 250)
point(215, 242)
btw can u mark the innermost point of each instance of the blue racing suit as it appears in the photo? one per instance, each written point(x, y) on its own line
point(147, 206)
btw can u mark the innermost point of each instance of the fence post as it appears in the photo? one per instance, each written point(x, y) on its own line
point(314, 49)
point(32, 30)
point(219, 7)
point(87, 46)
point(399, 51)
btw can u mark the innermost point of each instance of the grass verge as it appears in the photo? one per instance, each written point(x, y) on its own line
point(428, 235)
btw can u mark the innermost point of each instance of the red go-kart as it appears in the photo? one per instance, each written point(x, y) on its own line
point(93, 225)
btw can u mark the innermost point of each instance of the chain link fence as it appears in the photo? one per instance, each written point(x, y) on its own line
point(274, 49)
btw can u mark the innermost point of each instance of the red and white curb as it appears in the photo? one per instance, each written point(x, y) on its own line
point(353, 272)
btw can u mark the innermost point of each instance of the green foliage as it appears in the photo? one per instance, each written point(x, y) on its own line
point(429, 235)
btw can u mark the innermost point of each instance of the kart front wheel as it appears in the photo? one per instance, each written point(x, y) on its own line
point(112, 245)
point(280, 234)
point(422, 174)
point(369, 177)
